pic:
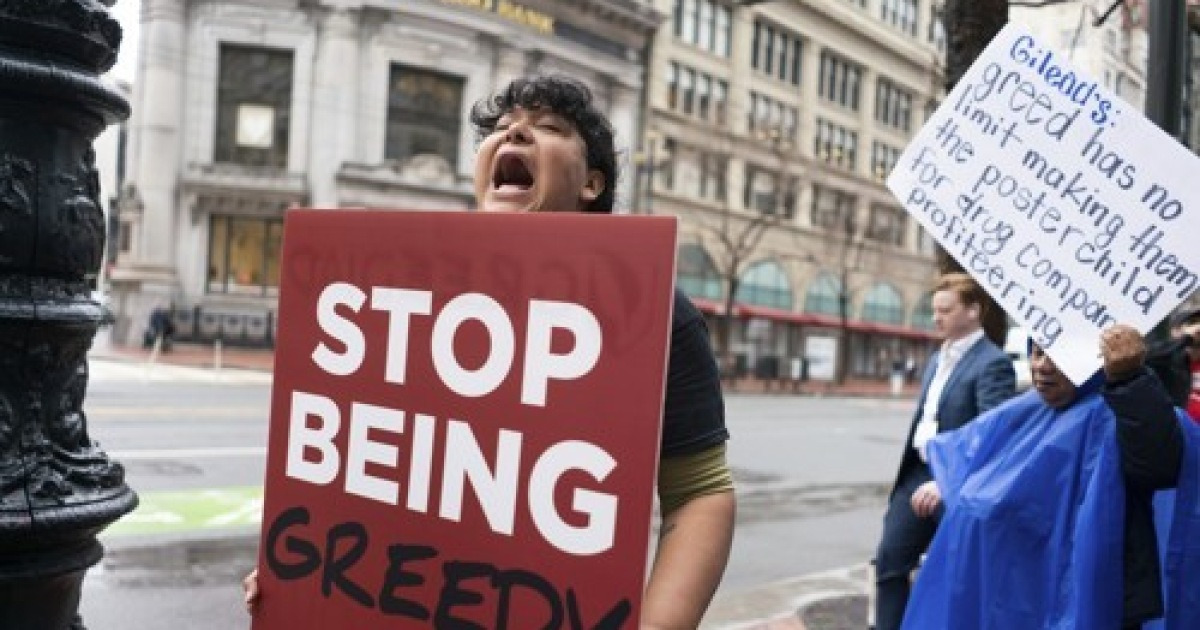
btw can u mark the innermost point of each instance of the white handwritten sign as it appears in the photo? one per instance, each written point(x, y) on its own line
point(1073, 210)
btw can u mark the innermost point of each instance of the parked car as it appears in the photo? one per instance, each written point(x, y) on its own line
point(1016, 346)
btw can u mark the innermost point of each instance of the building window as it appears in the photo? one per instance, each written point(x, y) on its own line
point(687, 27)
point(697, 93)
point(900, 13)
point(835, 144)
point(243, 255)
point(665, 173)
point(883, 160)
point(687, 86)
point(893, 105)
point(254, 102)
point(771, 119)
point(697, 276)
point(832, 208)
point(887, 225)
point(705, 24)
point(883, 305)
point(424, 114)
point(824, 295)
point(925, 243)
point(937, 28)
point(722, 35)
point(720, 101)
point(776, 52)
point(765, 284)
point(922, 315)
point(713, 171)
point(673, 85)
point(125, 237)
point(766, 192)
point(839, 80)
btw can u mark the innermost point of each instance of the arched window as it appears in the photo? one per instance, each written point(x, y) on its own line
point(765, 284)
point(922, 315)
point(823, 295)
point(884, 305)
point(697, 276)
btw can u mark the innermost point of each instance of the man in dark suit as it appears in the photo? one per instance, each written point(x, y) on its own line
point(966, 377)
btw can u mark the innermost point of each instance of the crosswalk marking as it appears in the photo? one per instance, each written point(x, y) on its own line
point(106, 412)
point(189, 453)
point(191, 510)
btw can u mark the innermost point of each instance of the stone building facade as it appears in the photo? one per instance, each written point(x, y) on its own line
point(770, 133)
point(245, 108)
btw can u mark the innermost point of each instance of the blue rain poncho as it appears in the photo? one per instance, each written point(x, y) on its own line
point(1032, 536)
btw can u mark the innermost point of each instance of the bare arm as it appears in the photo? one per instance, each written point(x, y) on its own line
point(693, 547)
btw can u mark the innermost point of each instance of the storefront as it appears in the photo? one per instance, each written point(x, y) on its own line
point(771, 343)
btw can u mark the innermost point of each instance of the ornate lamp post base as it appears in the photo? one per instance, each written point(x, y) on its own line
point(57, 489)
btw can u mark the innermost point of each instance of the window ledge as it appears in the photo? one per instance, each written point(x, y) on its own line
point(240, 178)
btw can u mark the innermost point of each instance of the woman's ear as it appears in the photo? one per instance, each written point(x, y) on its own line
point(593, 186)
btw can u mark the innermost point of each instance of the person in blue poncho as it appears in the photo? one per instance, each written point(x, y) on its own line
point(1050, 507)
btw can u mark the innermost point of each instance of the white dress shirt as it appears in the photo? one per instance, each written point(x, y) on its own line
point(948, 358)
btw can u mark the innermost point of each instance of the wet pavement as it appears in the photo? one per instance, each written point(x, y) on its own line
point(811, 473)
point(828, 600)
point(170, 582)
point(182, 583)
point(837, 613)
point(759, 501)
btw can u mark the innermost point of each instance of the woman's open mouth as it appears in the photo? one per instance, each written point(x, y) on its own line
point(511, 174)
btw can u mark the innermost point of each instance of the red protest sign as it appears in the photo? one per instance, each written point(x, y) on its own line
point(465, 419)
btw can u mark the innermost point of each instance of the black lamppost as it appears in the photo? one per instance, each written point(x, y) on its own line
point(1168, 27)
point(57, 489)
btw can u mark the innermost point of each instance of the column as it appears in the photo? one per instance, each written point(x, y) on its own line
point(335, 102)
point(158, 129)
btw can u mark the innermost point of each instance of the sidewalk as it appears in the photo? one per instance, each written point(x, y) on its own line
point(853, 387)
point(263, 359)
point(189, 355)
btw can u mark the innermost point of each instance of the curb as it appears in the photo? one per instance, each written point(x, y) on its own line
point(781, 604)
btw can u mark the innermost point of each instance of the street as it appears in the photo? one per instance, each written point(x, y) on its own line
point(811, 475)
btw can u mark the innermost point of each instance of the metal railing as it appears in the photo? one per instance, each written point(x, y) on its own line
point(200, 324)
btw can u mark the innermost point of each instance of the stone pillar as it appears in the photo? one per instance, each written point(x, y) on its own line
point(624, 113)
point(158, 129)
point(57, 489)
point(147, 278)
point(335, 102)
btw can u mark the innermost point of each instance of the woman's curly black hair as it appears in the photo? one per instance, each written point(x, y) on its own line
point(570, 99)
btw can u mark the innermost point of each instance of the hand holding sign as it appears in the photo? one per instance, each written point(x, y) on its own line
point(1123, 350)
point(1069, 207)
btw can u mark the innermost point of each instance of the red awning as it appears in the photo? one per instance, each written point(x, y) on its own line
point(712, 307)
point(746, 311)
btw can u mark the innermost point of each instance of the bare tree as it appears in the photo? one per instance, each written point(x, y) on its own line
point(840, 252)
point(735, 239)
point(848, 249)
